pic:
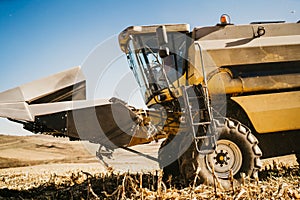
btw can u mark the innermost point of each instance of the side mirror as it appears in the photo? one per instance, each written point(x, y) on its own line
point(161, 34)
point(162, 37)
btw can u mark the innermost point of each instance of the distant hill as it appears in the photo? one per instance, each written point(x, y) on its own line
point(45, 150)
point(18, 151)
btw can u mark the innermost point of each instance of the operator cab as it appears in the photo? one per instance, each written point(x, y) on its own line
point(156, 73)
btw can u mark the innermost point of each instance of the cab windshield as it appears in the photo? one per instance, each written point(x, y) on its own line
point(153, 73)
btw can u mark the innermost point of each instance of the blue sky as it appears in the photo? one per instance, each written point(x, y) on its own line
point(40, 38)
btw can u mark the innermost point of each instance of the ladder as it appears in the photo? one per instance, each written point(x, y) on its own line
point(198, 117)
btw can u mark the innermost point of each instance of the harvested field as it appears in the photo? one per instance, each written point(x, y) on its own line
point(88, 179)
point(278, 183)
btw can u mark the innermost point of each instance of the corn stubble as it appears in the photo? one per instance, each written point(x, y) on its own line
point(275, 181)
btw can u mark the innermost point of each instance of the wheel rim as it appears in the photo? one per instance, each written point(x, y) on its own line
point(226, 157)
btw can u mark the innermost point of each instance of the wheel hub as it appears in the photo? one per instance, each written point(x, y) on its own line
point(221, 158)
point(227, 157)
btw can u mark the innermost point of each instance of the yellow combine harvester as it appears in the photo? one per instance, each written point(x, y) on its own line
point(223, 97)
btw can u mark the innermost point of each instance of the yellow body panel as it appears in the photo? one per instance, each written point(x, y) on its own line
point(233, 61)
point(272, 112)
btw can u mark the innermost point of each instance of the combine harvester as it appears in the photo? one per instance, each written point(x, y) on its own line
point(222, 96)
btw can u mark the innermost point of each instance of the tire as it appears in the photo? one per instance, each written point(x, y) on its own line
point(237, 151)
point(167, 158)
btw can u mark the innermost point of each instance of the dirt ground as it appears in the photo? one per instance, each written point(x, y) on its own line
point(19, 151)
point(42, 154)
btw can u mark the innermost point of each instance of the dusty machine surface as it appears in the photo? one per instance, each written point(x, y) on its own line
point(222, 97)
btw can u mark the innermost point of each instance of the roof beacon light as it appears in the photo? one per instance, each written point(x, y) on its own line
point(224, 19)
